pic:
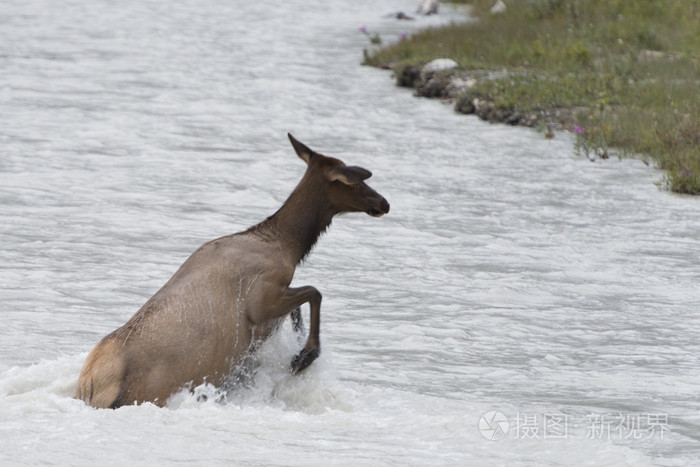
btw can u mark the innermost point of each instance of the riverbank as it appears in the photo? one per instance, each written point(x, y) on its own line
point(622, 75)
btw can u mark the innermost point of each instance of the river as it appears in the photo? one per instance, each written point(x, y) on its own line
point(519, 304)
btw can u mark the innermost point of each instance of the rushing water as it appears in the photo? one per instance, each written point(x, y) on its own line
point(510, 275)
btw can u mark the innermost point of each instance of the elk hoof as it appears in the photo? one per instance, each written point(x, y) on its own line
point(304, 359)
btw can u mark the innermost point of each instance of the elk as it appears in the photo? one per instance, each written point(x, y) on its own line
point(228, 296)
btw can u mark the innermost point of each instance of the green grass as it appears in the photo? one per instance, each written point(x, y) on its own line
point(627, 70)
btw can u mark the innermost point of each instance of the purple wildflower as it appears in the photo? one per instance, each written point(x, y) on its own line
point(578, 129)
point(363, 29)
point(403, 36)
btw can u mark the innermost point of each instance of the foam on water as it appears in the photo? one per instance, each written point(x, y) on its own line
point(274, 418)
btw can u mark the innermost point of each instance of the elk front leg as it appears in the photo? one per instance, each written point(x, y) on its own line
point(297, 321)
point(313, 344)
point(292, 299)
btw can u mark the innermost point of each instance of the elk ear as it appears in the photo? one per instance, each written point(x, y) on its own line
point(349, 175)
point(302, 150)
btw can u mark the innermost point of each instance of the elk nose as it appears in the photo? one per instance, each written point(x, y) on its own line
point(385, 206)
point(380, 209)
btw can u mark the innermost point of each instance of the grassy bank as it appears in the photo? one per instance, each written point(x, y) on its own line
point(624, 73)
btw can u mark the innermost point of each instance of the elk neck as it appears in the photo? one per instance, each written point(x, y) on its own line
point(301, 220)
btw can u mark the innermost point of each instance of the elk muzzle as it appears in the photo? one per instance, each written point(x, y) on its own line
point(381, 207)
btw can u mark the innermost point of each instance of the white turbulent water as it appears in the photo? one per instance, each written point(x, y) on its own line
point(510, 275)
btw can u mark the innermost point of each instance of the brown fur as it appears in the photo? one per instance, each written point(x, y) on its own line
point(229, 294)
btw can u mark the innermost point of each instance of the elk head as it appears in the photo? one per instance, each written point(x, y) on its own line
point(344, 186)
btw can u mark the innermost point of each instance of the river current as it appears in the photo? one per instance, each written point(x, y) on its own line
point(519, 304)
